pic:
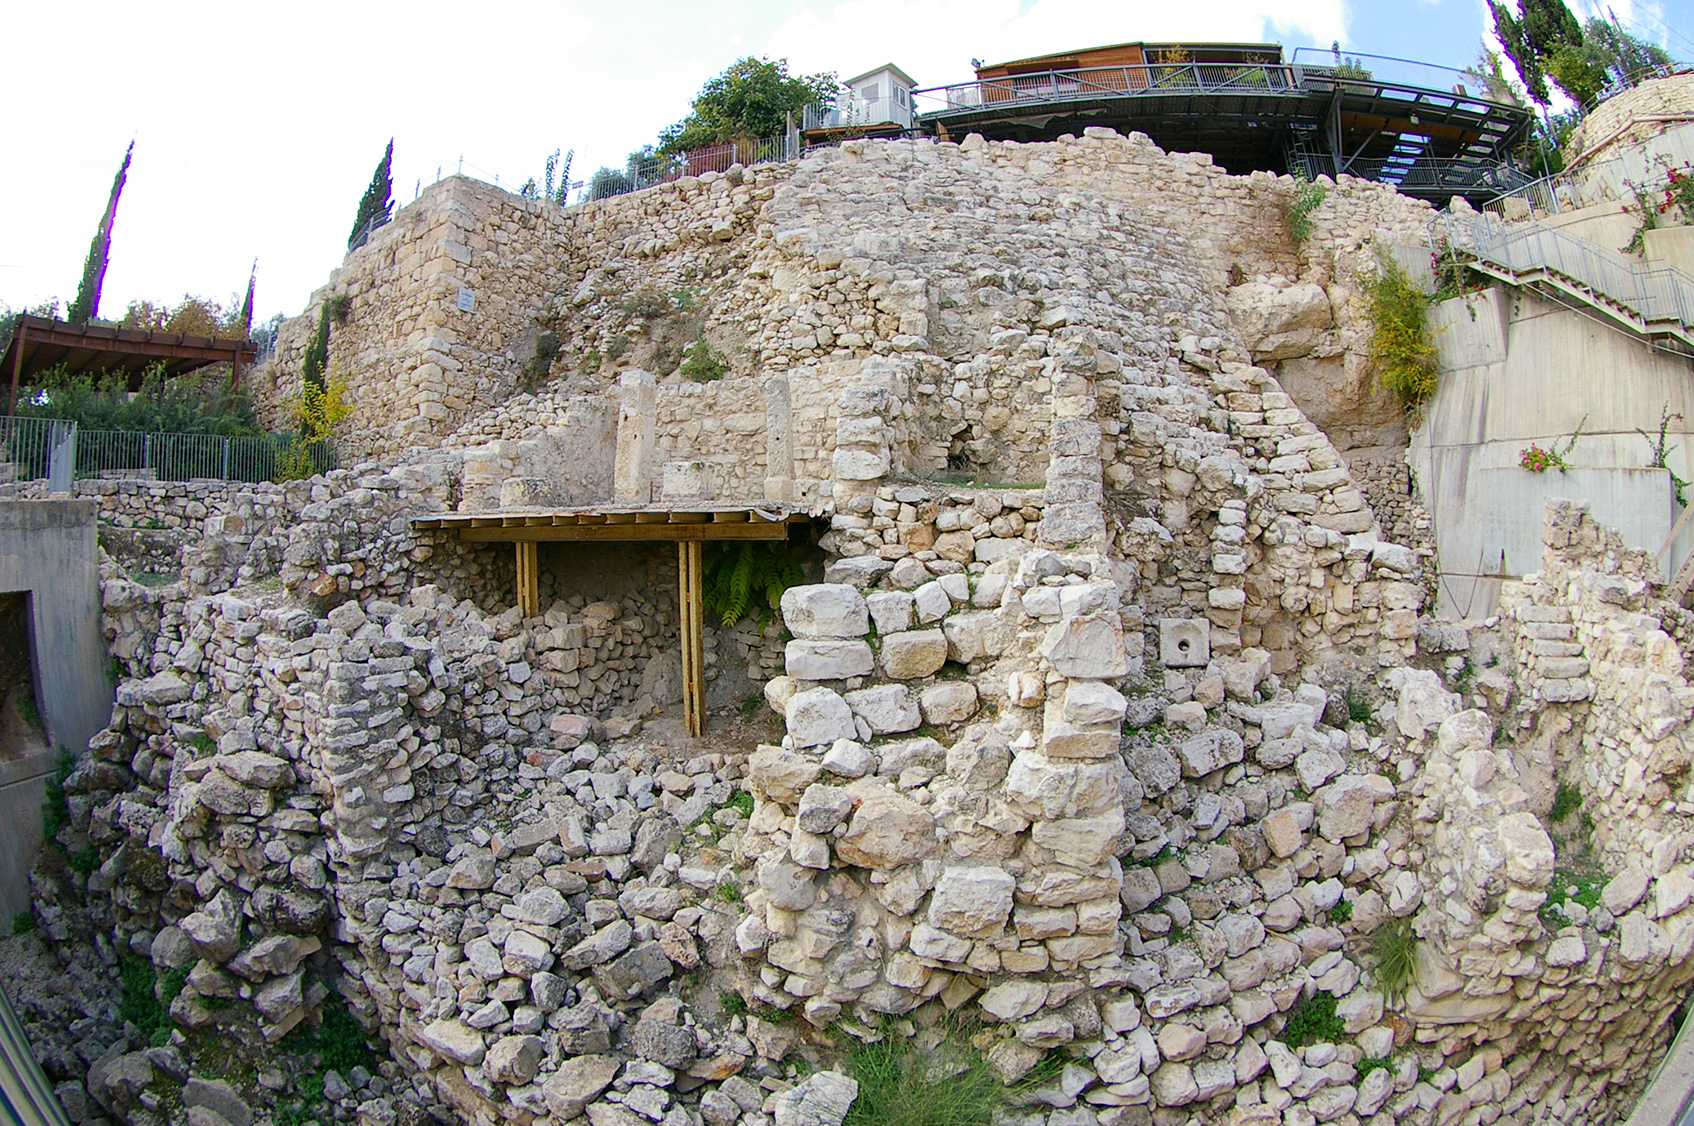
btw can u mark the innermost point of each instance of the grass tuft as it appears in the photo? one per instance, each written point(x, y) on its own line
point(900, 1085)
point(1395, 946)
point(1342, 912)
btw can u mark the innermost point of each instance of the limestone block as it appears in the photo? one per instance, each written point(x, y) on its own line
point(1465, 731)
point(1344, 808)
point(1089, 647)
point(887, 708)
point(1042, 788)
point(931, 602)
point(818, 717)
point(822, 1099)
point(952, 702)
point(852, 464)
point(1184, 642)
point(822, 808)
point(974, 902)
point(891, 610)
point(975, 636)
point(887, 829)
point(1080, 842)
point(1089, 702)
point(914, 654)
point(825, 610)
point(827, 659)
point(686, 480)
point(1014, 1000)
point(1422, 703)
point(774, 774)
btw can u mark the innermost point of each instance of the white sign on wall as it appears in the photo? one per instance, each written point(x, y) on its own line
point(467, 300)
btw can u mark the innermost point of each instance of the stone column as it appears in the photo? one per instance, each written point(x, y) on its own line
point(637, 420)
point(779, 440)
point(1074, 517)
point(861, 441)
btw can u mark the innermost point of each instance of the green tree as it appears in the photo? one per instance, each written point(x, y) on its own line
point(1532, 37)
point(87, 304)
point(376, 207)
point(752, 98)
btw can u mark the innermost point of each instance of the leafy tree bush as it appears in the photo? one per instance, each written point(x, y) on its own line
point(195, 403)
point(87, 304)
point(751, 98)
point(319, 412)
point(196, 316)
point(376, 206)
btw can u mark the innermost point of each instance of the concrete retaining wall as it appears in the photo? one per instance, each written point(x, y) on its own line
point(1516, 371)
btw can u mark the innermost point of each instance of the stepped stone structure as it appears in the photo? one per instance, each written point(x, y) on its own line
point(1110, 722)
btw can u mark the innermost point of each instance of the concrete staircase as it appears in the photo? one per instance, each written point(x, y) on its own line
point(1654, 303)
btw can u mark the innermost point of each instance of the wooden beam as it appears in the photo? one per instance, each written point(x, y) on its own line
point(633, 533)
point(689, 594)
point(529, 579)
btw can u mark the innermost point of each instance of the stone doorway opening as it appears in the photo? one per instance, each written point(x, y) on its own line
point(22, 731)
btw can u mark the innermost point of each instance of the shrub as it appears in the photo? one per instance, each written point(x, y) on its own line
point(55, 813)
point(902, 1085)
point(1342, 912)
point(1400, 345)
point(1297, 212)
point(1395, 946)
point(1312, 1021)
point(23, 922)
point(196, 403)
point(321, 408)
point(702, 365)
point(1567, 799)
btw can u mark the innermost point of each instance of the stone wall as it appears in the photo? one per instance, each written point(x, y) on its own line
point(1136, 766)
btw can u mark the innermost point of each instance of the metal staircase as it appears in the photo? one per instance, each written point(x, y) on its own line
point(1654, 303)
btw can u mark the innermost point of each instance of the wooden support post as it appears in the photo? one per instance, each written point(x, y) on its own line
point(688, 566)
point(529, 579)
point(17, 370)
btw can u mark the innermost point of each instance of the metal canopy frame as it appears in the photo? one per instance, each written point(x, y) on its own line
point(689, 529)
point(41, 343)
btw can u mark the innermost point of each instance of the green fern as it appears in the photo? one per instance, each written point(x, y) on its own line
point(737, 572)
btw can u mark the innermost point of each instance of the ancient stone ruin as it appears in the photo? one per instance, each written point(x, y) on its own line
point(1108, 733)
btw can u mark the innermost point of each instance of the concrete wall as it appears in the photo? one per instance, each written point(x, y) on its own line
point(1518, 371)
point(47, 547)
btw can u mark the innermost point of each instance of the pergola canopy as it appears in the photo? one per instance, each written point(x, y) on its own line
point(40, 344)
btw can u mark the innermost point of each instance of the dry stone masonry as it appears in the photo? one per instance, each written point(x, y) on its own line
point(1107, 723)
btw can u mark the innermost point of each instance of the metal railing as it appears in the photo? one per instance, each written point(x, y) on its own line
point(1656, 301)
point(859, 114)
point(1611, 180)
point(1109, 82)
point(1421, 173)
point(658, 169)
point(33, 449)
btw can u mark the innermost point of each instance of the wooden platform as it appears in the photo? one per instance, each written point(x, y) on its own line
point(688, 528)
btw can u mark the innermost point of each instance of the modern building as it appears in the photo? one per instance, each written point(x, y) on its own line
point(1251, 109)
point(875, 103)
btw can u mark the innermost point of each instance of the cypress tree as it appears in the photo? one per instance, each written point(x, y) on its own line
point(247, 302)
point(1531, 38)
point(377, 205)
point(87, 304)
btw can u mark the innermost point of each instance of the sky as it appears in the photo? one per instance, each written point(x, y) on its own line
point(257, 125)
